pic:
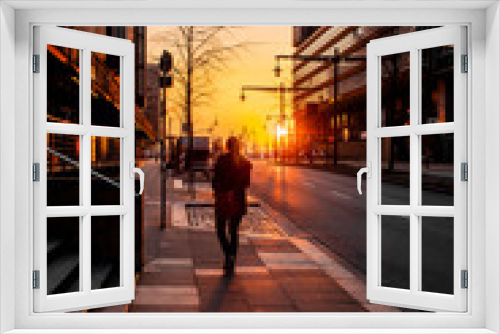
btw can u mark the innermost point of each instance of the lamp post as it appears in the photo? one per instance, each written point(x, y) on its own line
point(189, 116)
point(334, 59)
point(164, 81)
point(281, 89)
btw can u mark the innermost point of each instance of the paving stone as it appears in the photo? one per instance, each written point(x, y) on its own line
point(290, 261)
point(313, 272)
point(173, 261)
point(276, 297)
point(257, 270)
point(167, 278)
point(264, 292)
point(210, 285)
point(249, 261)
point(308, 286)
point(270, 242)
point(233, 305)
point(313, 296)
point(166, 295)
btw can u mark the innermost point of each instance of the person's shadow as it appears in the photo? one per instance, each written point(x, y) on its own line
point(218, 294)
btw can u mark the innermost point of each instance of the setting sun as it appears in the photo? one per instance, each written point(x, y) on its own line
point(281, 131)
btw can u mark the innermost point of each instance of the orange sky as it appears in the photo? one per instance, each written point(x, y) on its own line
point(252, 67)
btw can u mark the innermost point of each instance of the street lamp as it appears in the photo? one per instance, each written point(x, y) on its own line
point(277, 70)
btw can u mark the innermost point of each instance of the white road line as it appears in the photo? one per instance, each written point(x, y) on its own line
point(339, 194)
point(309, 184)
point(335, 193)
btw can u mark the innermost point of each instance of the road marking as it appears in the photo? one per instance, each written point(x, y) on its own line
point(340, 195)
point(308, 184)
point(333, 192)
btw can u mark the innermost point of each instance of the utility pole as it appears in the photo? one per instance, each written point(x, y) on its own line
point(163, 164)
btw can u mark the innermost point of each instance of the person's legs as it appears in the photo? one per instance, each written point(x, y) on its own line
point(233, 246)
point(220, 226)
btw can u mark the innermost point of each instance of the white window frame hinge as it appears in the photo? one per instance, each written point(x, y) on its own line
point(464, 171)
point(36, 172)
point(464, 279)
point(36, 63)
point(36, 279)
point(465, 63)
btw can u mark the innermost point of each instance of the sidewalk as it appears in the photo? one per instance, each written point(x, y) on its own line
point(278, 268)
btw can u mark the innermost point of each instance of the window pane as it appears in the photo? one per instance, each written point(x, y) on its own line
point(437, 254)
point(63, 84)
point(105, 90)
point(105, 245)
point(395, 239)
point(395, 171)
point(437, 169)
point(105, 184)
point(63, 170)
point(437, 84)
point(395, 70)
point(63, 255)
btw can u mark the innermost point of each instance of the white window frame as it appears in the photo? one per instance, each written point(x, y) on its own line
point(86, 43)
point(412, 44)
point(483, 211)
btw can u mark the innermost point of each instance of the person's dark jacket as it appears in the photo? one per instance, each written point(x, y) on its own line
point(231, 174)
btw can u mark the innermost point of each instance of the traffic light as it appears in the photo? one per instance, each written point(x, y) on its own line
point(166, 64)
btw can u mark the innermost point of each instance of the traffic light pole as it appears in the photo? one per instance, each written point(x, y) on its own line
point(163, 165)
point(165, 81)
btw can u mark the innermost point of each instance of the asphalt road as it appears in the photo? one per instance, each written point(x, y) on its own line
point(328, 208)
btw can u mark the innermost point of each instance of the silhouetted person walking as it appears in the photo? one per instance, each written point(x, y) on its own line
point(230, 181)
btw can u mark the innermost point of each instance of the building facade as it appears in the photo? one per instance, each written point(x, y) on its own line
point(106, 64)
point(343, 122)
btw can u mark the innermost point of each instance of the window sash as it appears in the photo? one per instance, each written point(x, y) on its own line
point(413, 297)
point(86, 297)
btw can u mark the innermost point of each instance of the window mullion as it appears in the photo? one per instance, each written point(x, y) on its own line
point(414, 172)
point(86, 150)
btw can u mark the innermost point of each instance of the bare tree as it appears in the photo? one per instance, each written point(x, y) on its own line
point(199, 54)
